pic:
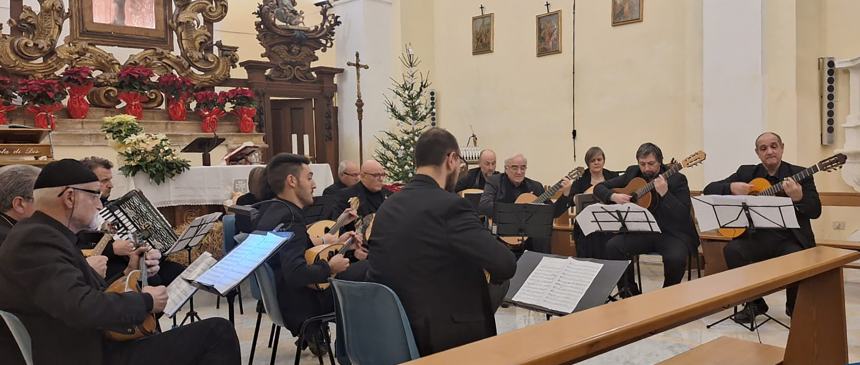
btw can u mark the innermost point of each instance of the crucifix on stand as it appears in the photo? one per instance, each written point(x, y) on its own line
point(359, 104)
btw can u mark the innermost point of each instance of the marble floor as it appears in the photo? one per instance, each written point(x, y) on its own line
point(647, 351)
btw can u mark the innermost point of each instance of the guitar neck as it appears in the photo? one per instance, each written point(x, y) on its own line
point(548, 193)
point(100, 246)
point(650, 185)
point(800, 176)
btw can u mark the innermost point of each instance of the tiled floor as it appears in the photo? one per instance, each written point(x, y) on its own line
point(646, 351)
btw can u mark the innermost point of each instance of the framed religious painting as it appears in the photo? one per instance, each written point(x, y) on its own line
point(626, 11)
point(548, 29)
point(123, 23)
point(482, 34)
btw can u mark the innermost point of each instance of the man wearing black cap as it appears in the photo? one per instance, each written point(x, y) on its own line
point(46, 282)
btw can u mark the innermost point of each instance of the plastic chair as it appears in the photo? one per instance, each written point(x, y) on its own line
point(22, 337)
point(269, 296)
point(372, 324)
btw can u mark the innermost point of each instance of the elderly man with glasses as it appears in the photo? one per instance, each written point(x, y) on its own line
point(506, 187)
point(16, 195)
point(347, 176)
point(369, 191)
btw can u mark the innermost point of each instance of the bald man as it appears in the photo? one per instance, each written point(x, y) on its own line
point(369, 191)
point(476, 177)
point(348, 175)
point(768, 243)
point(48, 284)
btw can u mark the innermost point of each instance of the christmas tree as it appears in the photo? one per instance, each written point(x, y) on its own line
point(396, 150)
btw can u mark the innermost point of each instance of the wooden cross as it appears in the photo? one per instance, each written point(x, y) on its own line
point(482, 9)
point(359, 104)
point(547, 6)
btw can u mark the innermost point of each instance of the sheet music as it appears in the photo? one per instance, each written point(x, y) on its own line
point(242, 261)
point(196, 231)
point(604, 218)
point(179, 291)
point(558, 284)
point(725, 211)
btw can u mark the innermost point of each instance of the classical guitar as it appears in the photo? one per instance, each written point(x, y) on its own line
point(762, 187)
point(640, 190)
point(529, 198)
point(134, 281)
point(326, 251)
point(318, 229)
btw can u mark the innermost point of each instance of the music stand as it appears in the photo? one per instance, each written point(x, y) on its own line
point(744, 211)
point(190, 238)
point(523, 220)
point(621, 218)
point(582, 201)
point(204, 145)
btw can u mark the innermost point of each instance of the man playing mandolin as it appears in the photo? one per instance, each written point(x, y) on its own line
point(768, 243)
point(669, 203)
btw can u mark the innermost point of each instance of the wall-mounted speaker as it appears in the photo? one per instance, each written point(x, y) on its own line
point(827, 75)
point(434, 102)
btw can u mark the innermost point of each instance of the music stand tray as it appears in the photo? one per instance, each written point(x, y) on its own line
point(204, 145)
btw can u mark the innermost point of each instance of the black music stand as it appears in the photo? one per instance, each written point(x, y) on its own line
point(523, 220)
point(736, 212)
point(191, 238)
point(204, 145)
point(616, 218)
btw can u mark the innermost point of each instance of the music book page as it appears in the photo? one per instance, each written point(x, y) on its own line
point(558, 284)
point(179, 291)
point(195, 232)
point(242, 261)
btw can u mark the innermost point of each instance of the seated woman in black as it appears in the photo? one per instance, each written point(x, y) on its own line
point(592, 245)
point(258, 189)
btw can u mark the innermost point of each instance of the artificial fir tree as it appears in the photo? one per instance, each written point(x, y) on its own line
point(396, 150)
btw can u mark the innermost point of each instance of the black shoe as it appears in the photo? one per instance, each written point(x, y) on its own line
point(789, 311)
point(750, 311)
point(315, 342)
point(627, 292)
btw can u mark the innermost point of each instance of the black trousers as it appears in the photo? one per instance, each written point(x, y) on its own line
point(211, 341)
point(167, 272)
point(761, 246)
point(673, 250)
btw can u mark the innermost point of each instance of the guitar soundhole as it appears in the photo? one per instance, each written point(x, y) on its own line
point(330, 255)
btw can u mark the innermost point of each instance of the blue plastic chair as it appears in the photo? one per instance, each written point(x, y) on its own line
point(22, 337)
point(228, 243)
point(372, 324)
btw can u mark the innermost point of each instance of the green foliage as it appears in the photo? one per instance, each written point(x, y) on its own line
point(120, 127)
point(396, 150)
point(152, 155)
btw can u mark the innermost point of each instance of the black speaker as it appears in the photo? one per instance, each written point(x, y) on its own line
point(434, 100)
point(827, 75)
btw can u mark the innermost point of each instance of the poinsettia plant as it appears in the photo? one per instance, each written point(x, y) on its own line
point(77, 76)
point(208, 100)
point(41, 91)
point(7, 91)
point(135, 79)
point(241, 97)
point(175, 86)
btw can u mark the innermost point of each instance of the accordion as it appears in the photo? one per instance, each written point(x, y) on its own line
point(133, 213)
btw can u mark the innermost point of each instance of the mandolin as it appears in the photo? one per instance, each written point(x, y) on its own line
point(529, 198)
point(640, 190)
point(318, 229)
point(762, 187)
point(327, 251)
point(108, 231)
point(134, 281)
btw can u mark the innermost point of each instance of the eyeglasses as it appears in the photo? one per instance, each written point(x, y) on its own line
point(352, 175)
point(377, 176)
point(517, 167)
point(94, 192)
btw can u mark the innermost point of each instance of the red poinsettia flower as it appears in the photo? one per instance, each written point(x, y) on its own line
point(207, 100)
point(175, 86)
point(77, 76)
point(41, 91)
point(135, 78)
point(241, 97)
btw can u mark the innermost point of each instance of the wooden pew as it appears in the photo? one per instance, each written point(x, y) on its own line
point(848, 245)
point(818, 333)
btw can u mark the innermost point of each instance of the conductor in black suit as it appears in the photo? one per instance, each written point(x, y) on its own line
point(769, 243)
point(670, 205)
point(430, 248)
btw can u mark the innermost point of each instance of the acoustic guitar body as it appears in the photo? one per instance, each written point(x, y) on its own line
point(759, 184)
point(321, 253)
point(636, 183)
point(131, 282)
point(318, 229)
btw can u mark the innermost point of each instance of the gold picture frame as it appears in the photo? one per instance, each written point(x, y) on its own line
point(626, 12)
point(548, 33)
point(123, 23)
point(482, 33)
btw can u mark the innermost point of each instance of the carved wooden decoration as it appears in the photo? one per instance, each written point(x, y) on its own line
point(35, 52)
point(289, 44)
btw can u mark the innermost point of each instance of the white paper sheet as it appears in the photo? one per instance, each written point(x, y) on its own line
point(558, 284)
point(604, 218)
point(725, 211)
point(242, 261)
point(179, 290)
point(196, 231)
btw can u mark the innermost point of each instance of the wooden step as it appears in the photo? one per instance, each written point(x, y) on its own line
point(728, 350)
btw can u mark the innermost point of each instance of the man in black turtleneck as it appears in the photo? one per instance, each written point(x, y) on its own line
point(369, 191)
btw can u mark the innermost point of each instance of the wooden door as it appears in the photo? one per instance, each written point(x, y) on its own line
point(292, 116)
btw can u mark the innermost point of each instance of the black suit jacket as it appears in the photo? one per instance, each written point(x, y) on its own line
point(429, 247)
point(48, 284)
point(672, 211)
point(581, 185)
point(293, 274)
point(6, 224)
point(494, 191)
point(334, 188)
point(473, 179)
point(809, 207)
point(366, 205)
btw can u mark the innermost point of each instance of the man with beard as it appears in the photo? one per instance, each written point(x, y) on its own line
point(476, 178)
point(429, 247)
point(769, 243)
point(670, 205)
